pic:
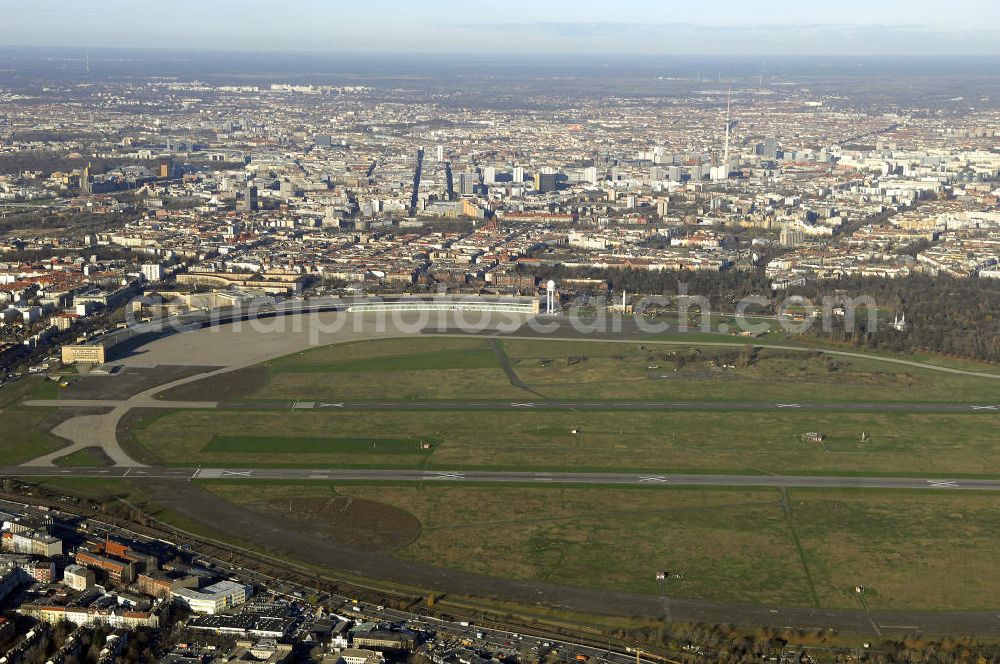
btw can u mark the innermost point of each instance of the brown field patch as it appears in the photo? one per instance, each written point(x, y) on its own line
point(356, 522)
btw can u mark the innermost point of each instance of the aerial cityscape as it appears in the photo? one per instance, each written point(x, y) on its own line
point(435, 333)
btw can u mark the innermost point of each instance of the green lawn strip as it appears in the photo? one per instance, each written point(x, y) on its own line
point(916, 550)
point(793, 342)
point(118, 494)
point(429, 368)
point(805, 343)
point(24, 437)
point(786, 508)
point(630, 370)
point(599, 537)
point(375, 351)
point(100, 489)
point(340, 445)
point(908, 548)
point(901, 444)
point(457, 359)
point(33, 387)
point(88, 457)
point(25, 434)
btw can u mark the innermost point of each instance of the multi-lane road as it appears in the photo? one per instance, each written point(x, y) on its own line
point(513, 477)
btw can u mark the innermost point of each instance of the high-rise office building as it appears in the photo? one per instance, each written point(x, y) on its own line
point(518, 174)
point(466, 181)
point(490, 175)
point(249, 202)
point(791, 237)
point(165, 168)
point(546, 182)
point(85, 181)
point(769, 148)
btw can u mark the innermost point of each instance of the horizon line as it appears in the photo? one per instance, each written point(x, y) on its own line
point(494, 54)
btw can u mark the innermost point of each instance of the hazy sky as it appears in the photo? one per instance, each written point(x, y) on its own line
point(724, 27)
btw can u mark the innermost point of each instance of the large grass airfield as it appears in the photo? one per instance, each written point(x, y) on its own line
point(795, 547)
point(407, 374)
point(803, 547)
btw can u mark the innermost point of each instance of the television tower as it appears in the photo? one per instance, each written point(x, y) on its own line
point(725, 150)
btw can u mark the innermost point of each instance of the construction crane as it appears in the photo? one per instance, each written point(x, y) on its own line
point(660, 658)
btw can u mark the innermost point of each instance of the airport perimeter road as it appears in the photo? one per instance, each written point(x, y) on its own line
point(511, 477)
point(839, 406)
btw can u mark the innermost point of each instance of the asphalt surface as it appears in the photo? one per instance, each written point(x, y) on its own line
point(840, 406)
point(508, 477)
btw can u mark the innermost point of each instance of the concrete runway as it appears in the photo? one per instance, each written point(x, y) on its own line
point(505, 477)
point(839, 406)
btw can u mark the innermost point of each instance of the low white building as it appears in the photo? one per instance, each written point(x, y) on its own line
point(214, 598)
point(358, 656)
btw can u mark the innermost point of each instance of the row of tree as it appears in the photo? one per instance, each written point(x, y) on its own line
point(943, 314)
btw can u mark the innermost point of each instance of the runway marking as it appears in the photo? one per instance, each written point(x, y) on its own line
point(127, 472)
point(241, 473)
point(789, 405)
point(319, 477)
point(877, 630)
point(447, 476)
point(522, 405)
point(196, 473)
point(985, 407)
point(330, 405)
point(653, 479)
point(943, 484)
point(303, 405)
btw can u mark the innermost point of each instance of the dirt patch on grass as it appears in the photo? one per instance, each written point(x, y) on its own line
point(57, 417)
point(127, 382)
point(87, 457)
point(220, 387)
point(354, 522)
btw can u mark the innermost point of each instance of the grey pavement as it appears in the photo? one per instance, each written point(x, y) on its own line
point(236, 346)
point(841, 406)
point(510, 477)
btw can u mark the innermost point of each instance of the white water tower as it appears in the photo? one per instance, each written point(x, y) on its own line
point(550, 297)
